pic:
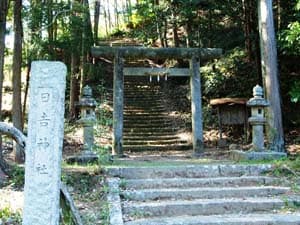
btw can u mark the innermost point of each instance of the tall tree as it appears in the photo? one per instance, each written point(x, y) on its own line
point(3, 13)
point(17, 65)
point(76, 41)
point(96, 20)
point(270, 74)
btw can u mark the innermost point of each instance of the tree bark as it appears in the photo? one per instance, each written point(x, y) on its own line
point(74, 85)
point(75, 73)
point(117, 22)
point(3, 13)
point(17, 63)
point(50, 28)
point(270, 75)
point(96, 20)
point(87, 43)
point(108, 16)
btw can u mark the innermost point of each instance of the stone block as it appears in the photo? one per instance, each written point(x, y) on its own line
point(251, 155)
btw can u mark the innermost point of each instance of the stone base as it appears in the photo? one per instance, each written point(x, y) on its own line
point(251, 155)
point(84, 158)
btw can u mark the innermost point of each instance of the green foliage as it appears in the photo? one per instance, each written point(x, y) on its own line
point(289, 38)
point(295, 92)
point(104, 214)
point(7, 214)
point(221, 77)
point(103, 153)
point(17, 174)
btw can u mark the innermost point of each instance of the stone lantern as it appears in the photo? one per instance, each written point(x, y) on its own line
point(257, 119)
point(87, 119)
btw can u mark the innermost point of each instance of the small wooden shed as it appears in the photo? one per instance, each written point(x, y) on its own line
point(231, 111)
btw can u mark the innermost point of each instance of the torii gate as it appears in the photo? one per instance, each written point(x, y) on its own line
point(192, 54)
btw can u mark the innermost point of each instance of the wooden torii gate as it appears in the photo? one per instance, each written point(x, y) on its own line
point(194, 55)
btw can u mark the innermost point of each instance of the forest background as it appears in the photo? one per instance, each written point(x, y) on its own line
point(65, 30)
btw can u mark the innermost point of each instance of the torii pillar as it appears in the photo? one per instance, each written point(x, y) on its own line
point(118, 104)
point(196, 106)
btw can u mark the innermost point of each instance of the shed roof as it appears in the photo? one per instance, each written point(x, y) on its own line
point(228, 101)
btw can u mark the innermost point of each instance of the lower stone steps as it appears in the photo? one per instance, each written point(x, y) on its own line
point(211, 194)
point(227, 219)
point(203, 206)
point(202, 192)
point(190, 171)
point(200, 182)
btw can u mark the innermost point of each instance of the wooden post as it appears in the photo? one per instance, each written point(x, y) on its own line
point(118, 105)
point(196, 105)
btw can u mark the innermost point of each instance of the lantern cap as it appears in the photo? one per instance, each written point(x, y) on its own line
point(87, 91)
point(87, 100)
point(258, 99)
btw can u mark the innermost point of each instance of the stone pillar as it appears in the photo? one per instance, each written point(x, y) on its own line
point(257, 119)
point(117, 148)
point(196, 106)
point(44, 143)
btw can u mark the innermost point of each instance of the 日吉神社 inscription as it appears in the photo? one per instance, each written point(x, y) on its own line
point(44, 143)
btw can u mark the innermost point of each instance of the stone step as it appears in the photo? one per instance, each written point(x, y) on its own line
point(190, 171)
point(148, 115)
point(170, 147)
point(142, 101)
point(149, 134)
point(144, 110)
point(153, 142)
point(147, 123)
point(146, 107)
point(199, 182)
point(202, 193)
point(144, 96)
point(139, 105)
point(227, 219)
point(147, 126)
point(150, 129)
point(203, 206)
point(142, 137)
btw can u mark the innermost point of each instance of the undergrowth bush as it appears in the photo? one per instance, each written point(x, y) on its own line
point(230, 76)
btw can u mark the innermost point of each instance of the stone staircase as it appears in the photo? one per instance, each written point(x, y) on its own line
point(147, 125)
point(227, 194)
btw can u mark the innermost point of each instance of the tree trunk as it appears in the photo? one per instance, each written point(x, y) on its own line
point(74, 86)
point(17, 63)
point(108, 16)
point(106, 22)
point(96, 20)
point(50, 28)
point(270, 75)
point(278, 12)
point(175, 27)
point(3, 13)
point(87, 43)
point(247, 28)
point(117, 22)
point(165, 33)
